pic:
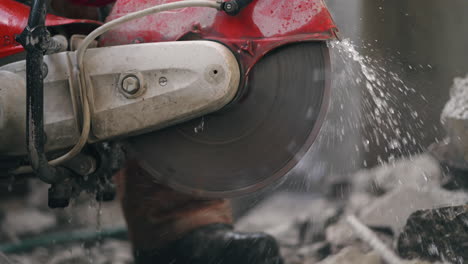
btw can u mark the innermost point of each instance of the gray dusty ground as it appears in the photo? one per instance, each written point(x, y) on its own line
point(309, 229)
point(312, 230)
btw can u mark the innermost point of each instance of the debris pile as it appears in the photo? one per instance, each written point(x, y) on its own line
point(31, 233)
point(409, 211)
point(395, 213)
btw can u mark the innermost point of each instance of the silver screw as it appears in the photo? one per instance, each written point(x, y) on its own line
point(229, 6)
point(131, 84)
point(163, 81)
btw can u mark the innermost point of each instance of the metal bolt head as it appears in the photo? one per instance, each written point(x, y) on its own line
point(163, 81)
point(131, 84)
point(229, 6)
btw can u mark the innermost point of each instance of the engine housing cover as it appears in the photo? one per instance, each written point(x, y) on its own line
point(258, 29)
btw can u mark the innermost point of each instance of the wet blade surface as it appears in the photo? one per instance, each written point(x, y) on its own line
point(252, 142)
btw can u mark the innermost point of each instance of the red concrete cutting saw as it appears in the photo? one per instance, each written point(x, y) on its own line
point(214, 98)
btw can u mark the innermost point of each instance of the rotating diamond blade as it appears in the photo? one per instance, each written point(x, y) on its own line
point(255, 140)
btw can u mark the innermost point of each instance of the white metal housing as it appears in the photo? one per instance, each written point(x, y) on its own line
point(176, 81)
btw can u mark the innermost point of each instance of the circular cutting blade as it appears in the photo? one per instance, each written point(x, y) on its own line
point(255, 140)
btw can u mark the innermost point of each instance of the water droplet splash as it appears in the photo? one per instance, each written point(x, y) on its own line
point(384, 107)
point(200, 127)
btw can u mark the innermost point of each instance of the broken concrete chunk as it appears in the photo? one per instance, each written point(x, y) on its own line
point(455, 121)
point(340, 235)
point(362, 181)
point(358, 201)
point(419, 171)
point(437, 234)
point(393, 209)
point(457, 106)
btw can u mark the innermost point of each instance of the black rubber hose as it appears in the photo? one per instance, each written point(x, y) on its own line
point(36, 40)
point(37, 14)
point(35, 119)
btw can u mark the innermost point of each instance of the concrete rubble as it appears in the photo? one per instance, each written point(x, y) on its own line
point(418, 172)
point(383, 199)
point(454, 149)
point(400, 202)
point(394, 200)
point(28, 217)
point(393, 209)
point(436, 234)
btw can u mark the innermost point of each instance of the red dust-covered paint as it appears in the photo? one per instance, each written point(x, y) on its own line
point(261, 27)
point(91, 2)
point(13, 20)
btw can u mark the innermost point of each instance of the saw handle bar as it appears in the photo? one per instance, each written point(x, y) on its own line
point(36, 41)
point(233, 7)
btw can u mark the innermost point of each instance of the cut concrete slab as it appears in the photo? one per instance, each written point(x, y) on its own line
point(393, 209)
point(418, 172)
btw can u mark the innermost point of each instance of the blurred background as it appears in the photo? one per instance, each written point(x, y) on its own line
point(423, 42)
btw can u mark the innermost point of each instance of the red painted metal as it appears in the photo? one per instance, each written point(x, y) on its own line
point(91, 2)
point(261, 27)
point(13, 19)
